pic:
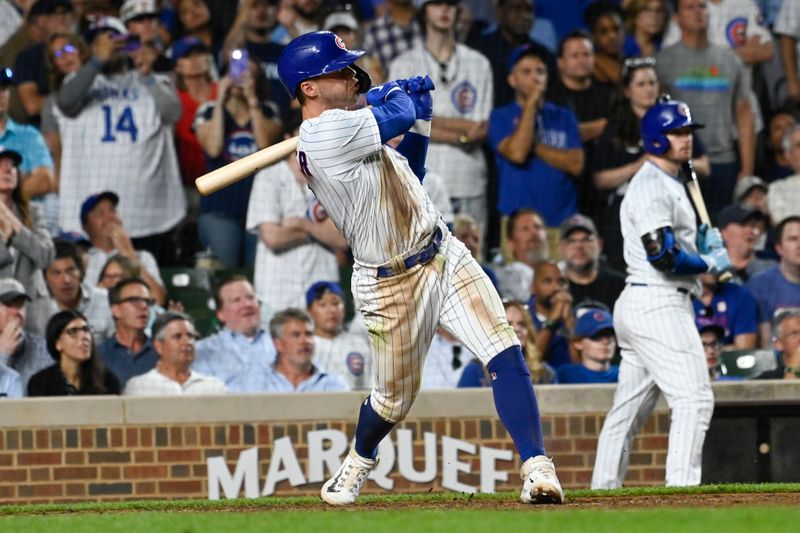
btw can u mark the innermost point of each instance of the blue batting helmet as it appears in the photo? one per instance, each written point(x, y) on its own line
point(317, 53)
point(667, 115)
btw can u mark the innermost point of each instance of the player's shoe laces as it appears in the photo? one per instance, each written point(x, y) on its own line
point(540, 484)
point(343, 488)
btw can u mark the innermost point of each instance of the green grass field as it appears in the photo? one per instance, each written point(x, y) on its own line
point(646, 509)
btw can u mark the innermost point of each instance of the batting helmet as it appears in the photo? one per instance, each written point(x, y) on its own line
point(667, 115)
point(317, 53)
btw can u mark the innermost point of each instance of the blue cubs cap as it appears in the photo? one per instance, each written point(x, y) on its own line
point(186, 46)
point(524, 50)
point(11, 154)
point(319, 288)
point(709, 324)
point(592, 322)
point(75, 237)
point(92, 201)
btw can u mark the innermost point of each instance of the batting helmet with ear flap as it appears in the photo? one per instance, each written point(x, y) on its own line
point(316, 53)
point(667, 115)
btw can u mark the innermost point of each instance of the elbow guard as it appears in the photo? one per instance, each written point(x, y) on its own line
point(665, 255)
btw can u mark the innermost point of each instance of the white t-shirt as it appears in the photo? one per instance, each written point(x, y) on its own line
point(154, 383)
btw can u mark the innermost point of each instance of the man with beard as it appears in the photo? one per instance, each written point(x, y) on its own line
point(526, 242)
point(580, 248)
point(551, 310)
point(116, 131)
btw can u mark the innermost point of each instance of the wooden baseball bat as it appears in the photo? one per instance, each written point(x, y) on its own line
point(241, 168)
point(693, 187)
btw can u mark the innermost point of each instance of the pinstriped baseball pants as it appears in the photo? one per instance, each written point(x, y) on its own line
point(661, 352)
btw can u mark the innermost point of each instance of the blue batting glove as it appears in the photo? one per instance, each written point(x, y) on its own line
point(423, 105)
point(377, 95)
point(708, 239)
point(419, 84)
point(717, 261)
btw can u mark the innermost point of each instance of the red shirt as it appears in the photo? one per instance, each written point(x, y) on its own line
point(191, 157)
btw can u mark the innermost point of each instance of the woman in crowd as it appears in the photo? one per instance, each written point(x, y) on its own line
point(519, 318)
point(619, 153)
point(645, 24)
point(239, 122)
point(78, 369)
point(604, 21)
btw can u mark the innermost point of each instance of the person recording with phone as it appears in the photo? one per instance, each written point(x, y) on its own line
point(238, 123)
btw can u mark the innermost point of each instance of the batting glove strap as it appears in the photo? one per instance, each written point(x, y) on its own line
point(421, 127)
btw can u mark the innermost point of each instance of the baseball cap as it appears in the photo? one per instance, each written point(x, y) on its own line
point(102, 23)
point(137, 8)
point(11, 153)
point(318, 289)
point(340, 18)
point(577, 221)
point(592, 322)
point(92, 201)
point(6, 76)
point(745, 185)
point(75, 237)
point(11, 289)
point(187, 45)
point(524, 50)
point(739, 214)
point(708, 324)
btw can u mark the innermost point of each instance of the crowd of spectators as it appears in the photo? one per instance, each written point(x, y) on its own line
point(110, 109)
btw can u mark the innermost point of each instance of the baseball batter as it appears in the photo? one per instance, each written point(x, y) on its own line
point(653, 317)
point(410, 274)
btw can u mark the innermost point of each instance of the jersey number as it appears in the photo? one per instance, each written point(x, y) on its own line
point(303, 162)
point(125, 124)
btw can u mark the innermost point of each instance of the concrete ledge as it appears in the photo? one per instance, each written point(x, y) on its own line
point(556, 399)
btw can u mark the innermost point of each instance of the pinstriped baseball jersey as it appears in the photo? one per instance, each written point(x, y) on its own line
point(119, 143)
point(368, 189)
point(655, 200)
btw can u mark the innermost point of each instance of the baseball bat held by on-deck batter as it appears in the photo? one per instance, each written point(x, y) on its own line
point(241, 168)
point(693, 187)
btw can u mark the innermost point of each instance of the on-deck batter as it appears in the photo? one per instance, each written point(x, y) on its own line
point(410, 273)
point(653, 317)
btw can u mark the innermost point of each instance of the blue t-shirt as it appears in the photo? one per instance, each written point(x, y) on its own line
point(536, 184)
point(558, 348)
point(773, 292)
point(732, 308)
point(472, 375)
point(29, 143)
point(573, 373)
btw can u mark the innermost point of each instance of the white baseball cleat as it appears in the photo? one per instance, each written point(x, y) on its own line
point(540, 484)
point(343, 488)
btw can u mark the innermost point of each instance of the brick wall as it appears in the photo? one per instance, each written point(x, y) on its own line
point(62, 464)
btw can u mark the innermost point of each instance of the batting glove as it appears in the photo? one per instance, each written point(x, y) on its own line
point(708, 239)
point(717, 261)
point(417, 84)
point(377, 95)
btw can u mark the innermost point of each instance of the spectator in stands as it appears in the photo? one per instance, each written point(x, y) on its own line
point(78, 369)
point(195, 86)
point(751, 192)
point(242, 353)
point(54, 16)
point(35, 172)
point(396, 31)
point(732, 308)
point(141, 18)
point(787, 25)
point(129, 352)
point(238, 123)
point(174, 337)
point(120, 143)
point(108, 236)
point(460, 111)
point(293, 371)
point(604, 20)
point(527, 244)
point(787, 346)
point(256, 21)
point(741, 227)
point(595, 343)
point(297, 239)
point(25, 245)
point(619, 152)
point(20, 350)
point(711, 336)
point(645, 24)
point(68, 292)
point(778, 287)
point(117, 268)
point(536, 143)
point(775, 165)
point(713, 81)
point(10, 383)
point(466, 230)
point(580, 249)
point(337, 351)
point(783, 197)
point(550, 307)
point(515, 18)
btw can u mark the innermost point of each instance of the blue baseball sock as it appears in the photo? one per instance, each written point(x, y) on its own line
point(370, 431)
point(515, 401)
